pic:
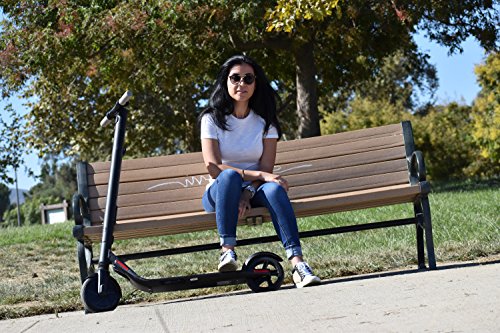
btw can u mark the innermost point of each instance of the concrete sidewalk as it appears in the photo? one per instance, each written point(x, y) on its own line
point(454, 298)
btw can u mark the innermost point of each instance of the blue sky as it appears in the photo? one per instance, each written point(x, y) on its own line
point(457, 82)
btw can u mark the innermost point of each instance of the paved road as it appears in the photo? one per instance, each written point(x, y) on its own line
point(454, 298)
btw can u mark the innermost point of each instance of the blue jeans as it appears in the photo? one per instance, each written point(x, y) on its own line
point(223, 198)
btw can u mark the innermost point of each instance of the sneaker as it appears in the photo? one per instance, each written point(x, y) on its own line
point(303, 276)
point(227, 261)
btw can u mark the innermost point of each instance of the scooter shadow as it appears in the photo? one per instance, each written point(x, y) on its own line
point(362, 277)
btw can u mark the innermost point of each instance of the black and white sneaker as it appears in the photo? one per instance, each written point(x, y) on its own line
point(303, 276)
point(227, 261)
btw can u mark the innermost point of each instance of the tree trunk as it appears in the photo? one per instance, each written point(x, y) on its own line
point(307, 97)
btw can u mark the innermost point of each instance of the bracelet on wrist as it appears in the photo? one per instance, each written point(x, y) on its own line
point(251, 189)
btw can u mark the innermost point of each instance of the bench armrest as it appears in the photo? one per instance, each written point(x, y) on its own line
point(417, 168)
point(80, 210)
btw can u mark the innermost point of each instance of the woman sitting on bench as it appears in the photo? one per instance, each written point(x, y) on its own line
point(239, 134)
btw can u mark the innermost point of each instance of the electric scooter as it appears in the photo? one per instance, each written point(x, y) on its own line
point(100, 292)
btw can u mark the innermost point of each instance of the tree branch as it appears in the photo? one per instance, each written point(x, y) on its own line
point(274, 43)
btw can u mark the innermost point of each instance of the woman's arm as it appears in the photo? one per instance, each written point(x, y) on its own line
point(267, 165)
point(212, 157)
point(213, 163)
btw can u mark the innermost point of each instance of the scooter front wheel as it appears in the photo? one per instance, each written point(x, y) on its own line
point(269, 282)
point(106, 301)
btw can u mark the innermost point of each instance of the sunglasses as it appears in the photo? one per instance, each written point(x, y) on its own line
point(247, 78)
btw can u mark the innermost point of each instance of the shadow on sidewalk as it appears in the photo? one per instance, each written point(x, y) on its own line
point(362, 277)
point(408, 271)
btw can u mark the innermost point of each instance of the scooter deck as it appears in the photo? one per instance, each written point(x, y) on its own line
point(189, 282)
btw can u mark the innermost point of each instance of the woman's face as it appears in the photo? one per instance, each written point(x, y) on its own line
point(241, 90)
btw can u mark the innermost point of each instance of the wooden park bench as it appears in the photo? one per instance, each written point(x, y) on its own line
point(333, 173)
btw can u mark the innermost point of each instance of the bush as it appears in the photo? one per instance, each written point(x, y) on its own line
point(444, 136)
point(443, 133)
point(30, 210)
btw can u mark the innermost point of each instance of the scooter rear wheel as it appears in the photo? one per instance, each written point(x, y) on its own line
point(107, 301)
point(269, 282)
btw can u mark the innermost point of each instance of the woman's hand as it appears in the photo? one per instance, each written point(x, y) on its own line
point(244, 205)
point(271, 177)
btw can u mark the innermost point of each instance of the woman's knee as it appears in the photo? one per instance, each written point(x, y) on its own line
point(273, 190)
point(230, 176)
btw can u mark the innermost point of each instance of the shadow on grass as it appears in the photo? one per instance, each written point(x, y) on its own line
point(363, 277)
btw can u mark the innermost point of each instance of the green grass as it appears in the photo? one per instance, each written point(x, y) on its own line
point(39, 273)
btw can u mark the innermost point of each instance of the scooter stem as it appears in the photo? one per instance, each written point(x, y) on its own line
point(111, 199)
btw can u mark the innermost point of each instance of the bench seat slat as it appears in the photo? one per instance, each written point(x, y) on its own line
point(172, 224)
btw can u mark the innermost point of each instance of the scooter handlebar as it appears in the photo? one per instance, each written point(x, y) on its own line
point(111, 113)
point(105, 121)
point(125, 98)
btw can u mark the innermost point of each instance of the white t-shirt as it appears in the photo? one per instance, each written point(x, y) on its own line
point(241, 146)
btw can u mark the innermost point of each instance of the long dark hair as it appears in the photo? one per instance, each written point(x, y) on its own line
point(262, 102)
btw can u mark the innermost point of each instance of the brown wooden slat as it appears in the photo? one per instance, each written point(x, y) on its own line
point(336, 162)
point(309, 175)
point(354, 173)
point(354, 152)
point(344, 149)
point(310, 190)
point(283, 146)
point(304, 207)
point(151, 198)
point(152, 186)
point(150, 174)
point(340, 138)
point(348, 185)
point(199, 168)
point(148, 162)
point(285, 169)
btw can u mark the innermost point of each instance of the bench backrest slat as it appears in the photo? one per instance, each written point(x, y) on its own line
point(343, 162)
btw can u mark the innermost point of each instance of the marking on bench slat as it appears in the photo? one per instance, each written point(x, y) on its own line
point(200, 179)
point(277, 168)
point(187, 182)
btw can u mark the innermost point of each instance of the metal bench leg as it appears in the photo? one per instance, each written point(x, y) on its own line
point(428, 232)
point(417, 207)
point(84, 255)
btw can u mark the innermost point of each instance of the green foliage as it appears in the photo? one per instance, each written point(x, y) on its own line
point(76, 58)
point(57, 183)
point(364, 113)
point(486, 117)
point(285, 15)
point(31, 208)
point(12, 146)
point(444, 136)
point(4, 199)
point(458, 141)
point(10, 217)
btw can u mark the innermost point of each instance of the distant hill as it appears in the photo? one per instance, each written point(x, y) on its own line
point(12, 195)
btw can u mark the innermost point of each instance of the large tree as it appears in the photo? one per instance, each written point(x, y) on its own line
point(77, 57)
